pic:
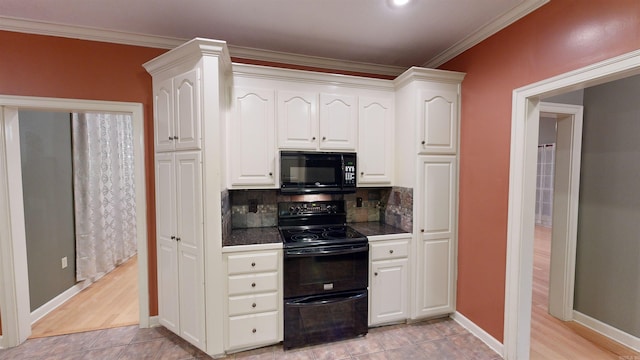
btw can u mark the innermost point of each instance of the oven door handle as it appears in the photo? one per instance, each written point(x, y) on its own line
point(325, 251)
point(323, 300)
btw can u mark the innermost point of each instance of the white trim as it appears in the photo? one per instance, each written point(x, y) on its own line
point(495, 25)
point(565, 207)
point(478, 332)
point(608, 331)
point(53, 304)
point(163, 42)
point(524, 136)
point(154, 321)
point(13, 313)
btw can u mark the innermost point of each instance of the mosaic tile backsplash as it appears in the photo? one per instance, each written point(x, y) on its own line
point(258, 208)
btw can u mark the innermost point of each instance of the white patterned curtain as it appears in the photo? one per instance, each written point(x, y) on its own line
point(104, 191)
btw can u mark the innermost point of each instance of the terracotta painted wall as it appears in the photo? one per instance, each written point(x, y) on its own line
point(33, 65)
point(561, 36)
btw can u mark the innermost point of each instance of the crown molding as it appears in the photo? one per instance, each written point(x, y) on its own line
point(313, 61)
point(161, 42)
point(495, 25)
point(87, 33)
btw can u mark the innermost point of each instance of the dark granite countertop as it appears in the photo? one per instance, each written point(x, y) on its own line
point(253, 236)
point(376, 228)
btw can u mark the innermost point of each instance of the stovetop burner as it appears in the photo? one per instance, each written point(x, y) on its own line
point(303, 224)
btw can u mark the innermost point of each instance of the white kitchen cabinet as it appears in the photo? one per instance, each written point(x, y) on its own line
point(438, 121)
point(437, 223)
point(297, 120)
point(375, 141)
point(254, 314)
point(181, 297)
point(252, 158)
point(177, 112)
point(389, 281)
point(311, 121)
point(338, 122)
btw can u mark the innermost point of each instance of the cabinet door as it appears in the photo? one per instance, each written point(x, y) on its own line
point(252, 155)
point(438, 122)
point(297, 120)
point(375, 141)
point(338, 122)
point(187, 111)
point(437, 216)
point(163, 115)
point(389, 287)
point(190, 247)
point(167, 247)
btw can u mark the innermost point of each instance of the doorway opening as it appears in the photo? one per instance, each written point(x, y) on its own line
point(521, 219)
point(14, 298)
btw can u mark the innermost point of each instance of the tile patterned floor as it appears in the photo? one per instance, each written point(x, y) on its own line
point(436, 339)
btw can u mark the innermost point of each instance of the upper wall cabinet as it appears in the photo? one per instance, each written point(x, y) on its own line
point(438, 116)
point(297, 120)
point(177, 112)
point(252, 159)
point(304, 125)
point(375, 141)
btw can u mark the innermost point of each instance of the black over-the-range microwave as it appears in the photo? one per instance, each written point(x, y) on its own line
point(317, 172)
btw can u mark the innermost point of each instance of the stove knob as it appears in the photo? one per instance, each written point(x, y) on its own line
point(292, 209)
point(298, 209)
point(329, 208)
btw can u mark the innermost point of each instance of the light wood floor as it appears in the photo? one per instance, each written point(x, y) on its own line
point(552, 339)
point(111, 301)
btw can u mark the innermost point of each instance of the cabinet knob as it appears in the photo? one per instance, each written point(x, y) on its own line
point(253, 284)
point(253, 264)
point(170, 137)
point(175, 138)
point(324, 138)
point(362, 173)
point(421, 230)
point(391, 251)
point(177, 239)
point(270, 174)
point(173, 237)
point(375, 274)
point(313, 138)
point(423, 142)
point(253, 305)
point(254, 331)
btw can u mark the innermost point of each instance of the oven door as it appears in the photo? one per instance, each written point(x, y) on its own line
point(325, 269)
point(324, 318)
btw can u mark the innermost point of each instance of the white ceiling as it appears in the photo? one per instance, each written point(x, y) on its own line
point(423, 33)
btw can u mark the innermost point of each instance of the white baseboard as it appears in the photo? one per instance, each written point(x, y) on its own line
point(607, 330)
point(476, 330)
point(43, 310)
point(1, 343)
point(154, 321)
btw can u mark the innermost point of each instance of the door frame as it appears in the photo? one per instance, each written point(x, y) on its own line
point(522, 182)
point(565, 206)
point(14, 294)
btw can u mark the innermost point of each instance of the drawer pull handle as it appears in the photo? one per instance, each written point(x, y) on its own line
point(253, 284)
point(254, 331)
point(391, 251)
point(253, 305)
point(253, 264)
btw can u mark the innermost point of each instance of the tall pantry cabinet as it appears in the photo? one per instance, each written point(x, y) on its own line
point(427, 121)
point(189, 87)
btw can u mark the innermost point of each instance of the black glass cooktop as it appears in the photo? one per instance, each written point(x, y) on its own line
point(298, 236)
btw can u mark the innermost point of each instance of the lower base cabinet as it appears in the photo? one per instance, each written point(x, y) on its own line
point(254, 315)
point(388, 281)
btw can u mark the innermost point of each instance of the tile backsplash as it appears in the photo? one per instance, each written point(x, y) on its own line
point(259, 208)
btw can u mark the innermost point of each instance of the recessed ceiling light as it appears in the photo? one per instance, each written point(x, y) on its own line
point(399, 2)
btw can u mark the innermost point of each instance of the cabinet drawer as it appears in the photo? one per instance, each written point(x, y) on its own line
point(253, 283)
point(250, 330)
point(252, 304)
point(252, 262)
point(389, 250)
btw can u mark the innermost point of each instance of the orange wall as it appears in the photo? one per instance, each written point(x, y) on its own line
point(561, 36)
point(34, 65)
